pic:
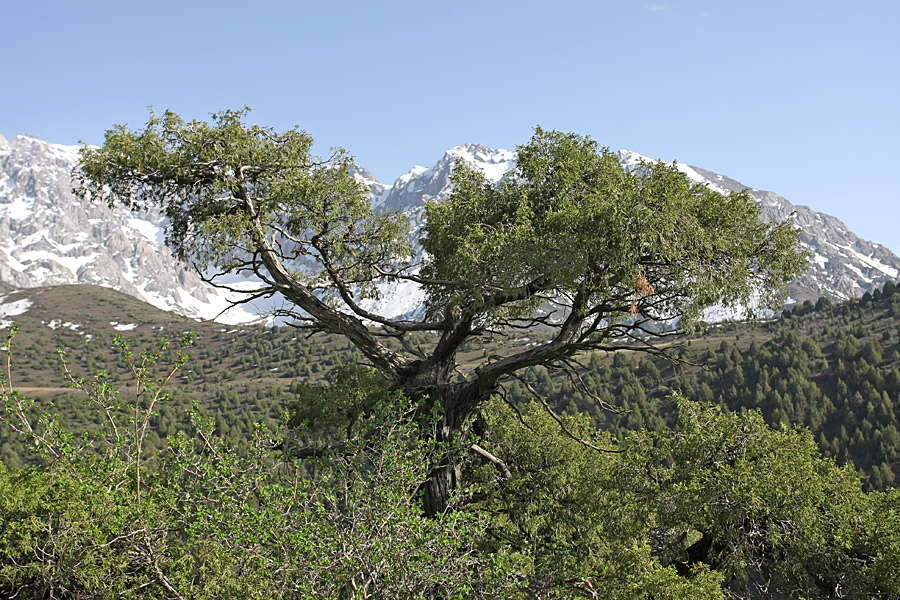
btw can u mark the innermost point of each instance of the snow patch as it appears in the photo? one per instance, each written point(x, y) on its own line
point(123, 326)
point(18, 209)
point(379, 199)
point(493, 163)
point(57, 323)
point(220, 305)
point(856, 270)
point(632, 160)
point(416, 171)
point(366, 181)
point(151, 231)
point(72, 263)
point(698, 178)
point(12, 309)
point(397, 301)
point(820, 260)
point(874, 263)
point(720, 313)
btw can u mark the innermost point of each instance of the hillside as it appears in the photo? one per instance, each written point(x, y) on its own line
point(834, 369)
point(239, 375)
point(239, 372)
point(830, 367)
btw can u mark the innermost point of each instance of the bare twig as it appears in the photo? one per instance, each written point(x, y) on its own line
point(560, 422)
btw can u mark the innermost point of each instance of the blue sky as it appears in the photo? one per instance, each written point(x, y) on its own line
point(802, 98)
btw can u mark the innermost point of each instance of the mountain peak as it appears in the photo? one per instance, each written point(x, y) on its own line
point(49, 236)
point(493, 162)
point(29, 144)
point(630, 159)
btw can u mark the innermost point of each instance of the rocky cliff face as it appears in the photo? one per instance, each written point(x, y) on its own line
point(842, 264)
point(49, 236)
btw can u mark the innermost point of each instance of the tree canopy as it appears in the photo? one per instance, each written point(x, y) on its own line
point(573, 226)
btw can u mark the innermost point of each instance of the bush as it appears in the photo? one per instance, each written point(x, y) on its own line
point(720, 507)
point(201, 520)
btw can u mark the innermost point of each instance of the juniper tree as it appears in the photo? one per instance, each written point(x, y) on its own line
point(610, 252)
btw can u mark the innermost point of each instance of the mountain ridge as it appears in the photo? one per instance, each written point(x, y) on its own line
point(52, 237)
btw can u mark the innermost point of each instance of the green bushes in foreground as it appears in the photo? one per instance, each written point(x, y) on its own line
point(720, 507)
point(200, 520)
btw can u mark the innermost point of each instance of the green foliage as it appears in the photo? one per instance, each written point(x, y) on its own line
point(723, 506)
point(335, 410)
point(579, 516)
point(207, 521)
point(571, 219)
point(61, 532)
point(764, 503)
point(227, 187)
point(223, 377)
point(720, 507)
point(570, 227)
point(839, 379)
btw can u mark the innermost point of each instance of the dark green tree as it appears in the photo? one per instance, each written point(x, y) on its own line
point(612, 251)
point(723, 506)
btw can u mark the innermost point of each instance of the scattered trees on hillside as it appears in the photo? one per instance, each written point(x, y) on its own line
point(838, 377)
point(608, 249)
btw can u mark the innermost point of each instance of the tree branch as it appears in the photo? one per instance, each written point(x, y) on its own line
point(505, 473)
point(559, 421)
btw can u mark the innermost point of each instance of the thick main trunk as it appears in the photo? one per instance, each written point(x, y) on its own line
point(446, 476)
point(442, 482)
point(458, 404)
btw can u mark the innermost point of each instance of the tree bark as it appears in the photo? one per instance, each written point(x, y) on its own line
point(458, 403)
point(446, 476)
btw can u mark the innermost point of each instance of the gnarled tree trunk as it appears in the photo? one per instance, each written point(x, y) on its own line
point(458, 405)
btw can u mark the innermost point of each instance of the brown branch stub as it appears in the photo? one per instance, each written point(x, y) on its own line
point(505, 473)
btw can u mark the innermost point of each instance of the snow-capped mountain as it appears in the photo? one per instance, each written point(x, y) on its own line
point(49, 236)
point(842, 264)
